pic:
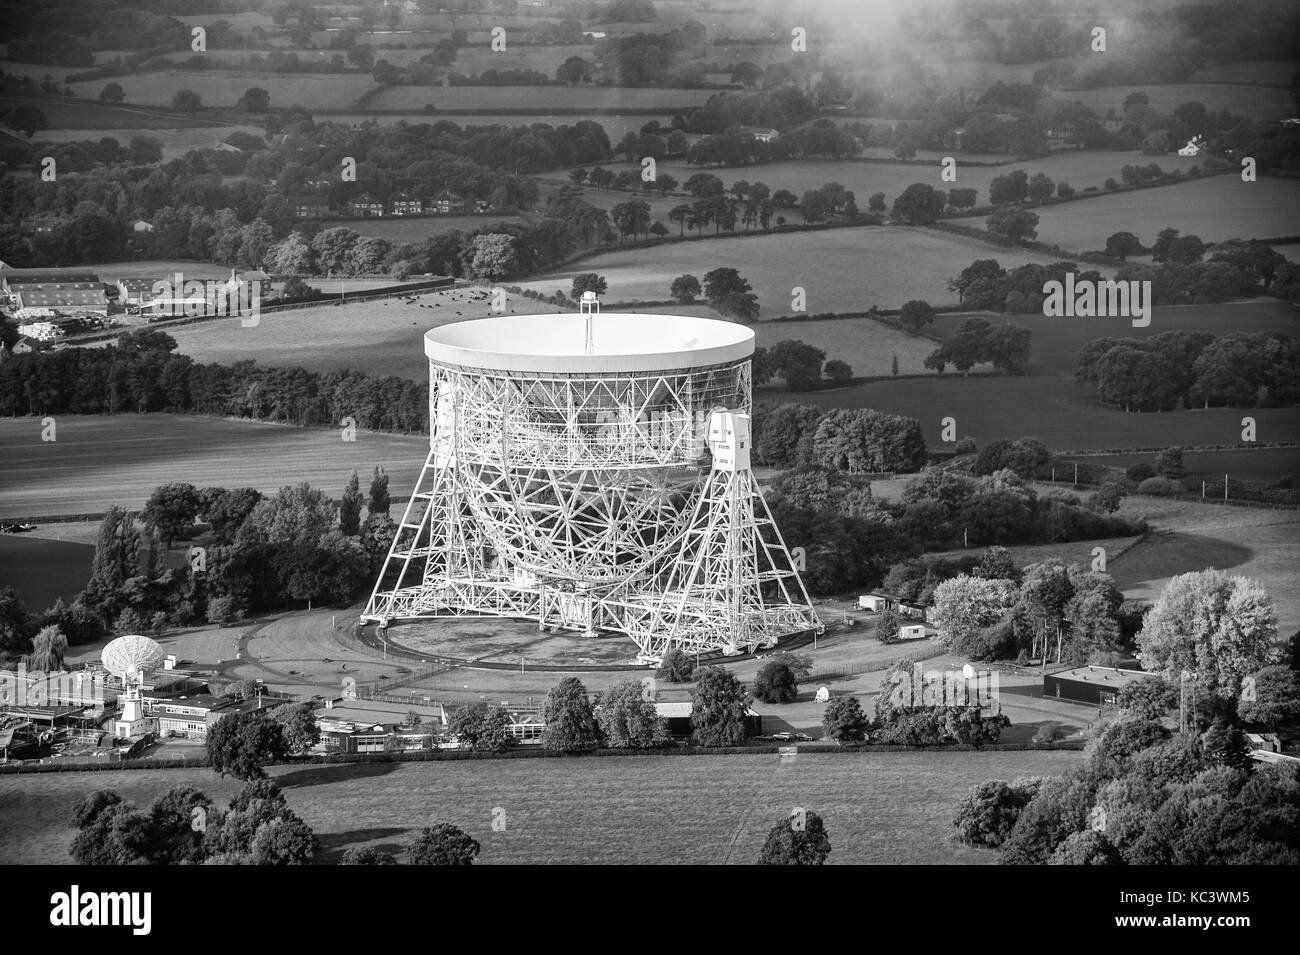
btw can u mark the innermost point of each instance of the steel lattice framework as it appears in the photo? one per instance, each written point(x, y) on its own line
point(594, 489)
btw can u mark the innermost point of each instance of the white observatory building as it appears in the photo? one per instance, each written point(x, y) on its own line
point(591, 472)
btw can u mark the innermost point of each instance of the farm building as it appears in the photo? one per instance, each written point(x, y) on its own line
point(1099, 686)
point(135, 292)
point(678, 716)
point(140, 225)
point(1195, 147)
point(911, 631)
point(62, 297)
point(11, 280)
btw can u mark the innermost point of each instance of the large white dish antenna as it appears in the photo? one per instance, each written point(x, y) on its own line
point(130, 656)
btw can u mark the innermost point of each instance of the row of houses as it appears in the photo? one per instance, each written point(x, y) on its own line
point(366, 205)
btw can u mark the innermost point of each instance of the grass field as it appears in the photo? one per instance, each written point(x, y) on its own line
point(89, 114)
point(1245, 464)
point(224, 88)
point(878, 808)
point(1215, 208)
point(1057, 341)
point(1258, 543)
point(384, 337)
point(1077, 167)
point(101, 461)
point(841, 270)
point(531, 97)
point(176, 142)
point(1062, 417)
point(43, 570)
point(1256, 102)
point(615, 126)
point(1274, 72)
point(419, 228)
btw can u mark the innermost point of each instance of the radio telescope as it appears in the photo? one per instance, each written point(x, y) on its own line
point(592, 472)
point(130, 657)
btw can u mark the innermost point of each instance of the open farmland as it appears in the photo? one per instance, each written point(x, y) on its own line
point(1077, 167)
point(223, 88)
point(878, 807)
point(384, 337)
point(1215, 208)
point(419, 228)
point(1270, 72)
point(1240, 464)
point(176, 142)
point(868, 346)
point(842, 270)
point(1259, 543)
point(1062, 416)
point(1256, 102)
point(42, 571)
point(533, 97)
point(89, 114)
point(1058, 341)
point(101, 461)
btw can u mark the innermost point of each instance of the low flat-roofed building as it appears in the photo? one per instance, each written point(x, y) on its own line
point(677, 713)
point(1099, 686)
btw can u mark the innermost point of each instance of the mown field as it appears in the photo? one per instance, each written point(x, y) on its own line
point(841, 270)
point(1215, 208)
point(878, 808)
point(1077, 167)
point(97, 462)
point(1256, 102)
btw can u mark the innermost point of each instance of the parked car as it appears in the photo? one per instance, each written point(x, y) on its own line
point(783, 737)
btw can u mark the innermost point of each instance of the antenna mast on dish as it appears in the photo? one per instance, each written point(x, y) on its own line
point(589, 305)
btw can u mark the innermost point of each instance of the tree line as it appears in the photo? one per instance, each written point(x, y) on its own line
point(1181, 369)
point(259, 553)
point(143, 373)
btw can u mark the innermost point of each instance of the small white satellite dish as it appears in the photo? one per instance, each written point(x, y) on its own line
point(968, 672)
point(823, 695)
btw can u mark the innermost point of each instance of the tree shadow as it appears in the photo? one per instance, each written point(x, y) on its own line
point(333, 845)
point(324, 774)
